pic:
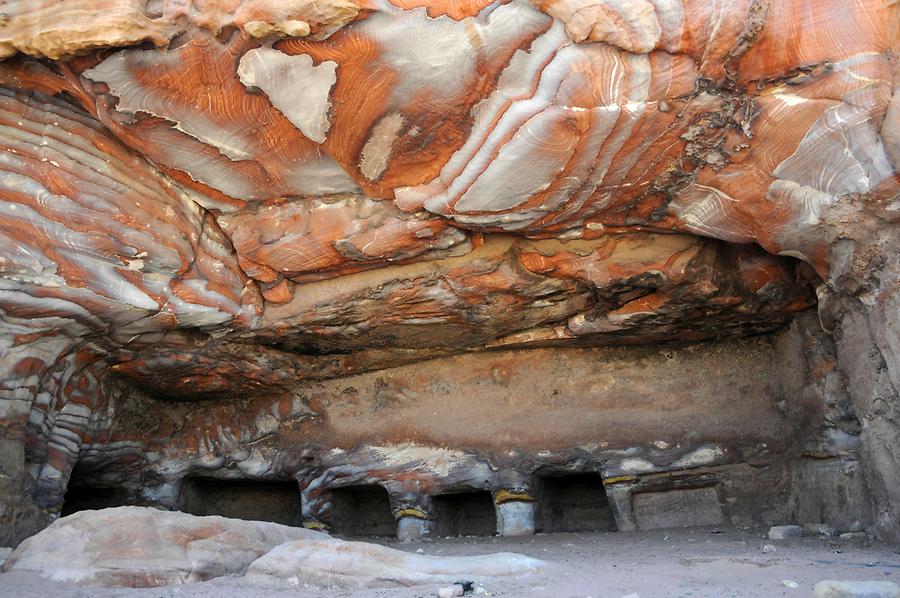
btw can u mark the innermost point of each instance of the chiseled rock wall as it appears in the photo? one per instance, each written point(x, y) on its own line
point(215, 217)
point(756, 421)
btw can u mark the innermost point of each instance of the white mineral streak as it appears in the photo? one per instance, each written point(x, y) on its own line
point(107, 189)
point(890, 128)
point(322, 176)
point(441, 55)
point(439, 461)
point(294, 85)
point(495, 118)
point(117, 72)
point(523, 139)
point(524, 166)
point(377, 150)
point(203, 168)
point(710, 212)
point(636, 465)
point(705, 455)
point(842, 152)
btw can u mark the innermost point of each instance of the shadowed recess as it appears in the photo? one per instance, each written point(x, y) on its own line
point(252, 500)
point(465, 514)
point(362, 511)
point(574, 503)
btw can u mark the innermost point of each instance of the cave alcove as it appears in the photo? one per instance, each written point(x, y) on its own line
point(83, 493)
point(363, 510)
point(467, 513)
point(253, 500)
point(573, 503)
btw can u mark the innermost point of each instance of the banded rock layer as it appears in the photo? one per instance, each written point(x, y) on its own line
point(230, 202)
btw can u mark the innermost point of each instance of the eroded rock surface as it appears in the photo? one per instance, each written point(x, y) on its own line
point(329, 563)
point(312, 242)
point(141, 547)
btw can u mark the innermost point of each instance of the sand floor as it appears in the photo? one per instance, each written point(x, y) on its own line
point(695, 563)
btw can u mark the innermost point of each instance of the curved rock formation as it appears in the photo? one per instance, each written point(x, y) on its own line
point(140, 547)
point(347, 243)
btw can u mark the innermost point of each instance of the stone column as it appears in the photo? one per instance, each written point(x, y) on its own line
point(618, 492)
point(412, 523)
point(515, 512)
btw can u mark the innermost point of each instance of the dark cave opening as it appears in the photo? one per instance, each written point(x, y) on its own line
point(574, 503)
point(464, 514)
point(362, 511)
point(253, 500)
point(90, 498)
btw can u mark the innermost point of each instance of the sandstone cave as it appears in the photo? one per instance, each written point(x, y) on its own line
point(540, 275)
point(82, 494)
point(253, 500)
point(362, 511)
point(465, 514)
point(574, 503)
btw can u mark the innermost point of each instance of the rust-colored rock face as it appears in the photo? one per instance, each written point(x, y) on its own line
point(442, 246)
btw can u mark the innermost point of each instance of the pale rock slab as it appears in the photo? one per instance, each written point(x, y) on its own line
point(785, 532)
point(144, 547)
point(830, 588)
point(337, 564)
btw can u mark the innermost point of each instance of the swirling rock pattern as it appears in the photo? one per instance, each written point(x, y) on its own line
point(232, 201)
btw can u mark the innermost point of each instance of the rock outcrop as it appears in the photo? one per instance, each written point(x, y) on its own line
point(438, 248)
point(140, 547)
point(337, 564)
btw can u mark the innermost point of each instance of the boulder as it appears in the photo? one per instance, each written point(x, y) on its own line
point(785, 532)
point(820, 529)
point(338, 564)
point(144, 547)
point(830, 588)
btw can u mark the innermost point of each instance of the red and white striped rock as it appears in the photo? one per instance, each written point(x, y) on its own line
point(207, 198)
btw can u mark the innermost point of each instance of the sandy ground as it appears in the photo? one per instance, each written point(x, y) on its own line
point(697, 563)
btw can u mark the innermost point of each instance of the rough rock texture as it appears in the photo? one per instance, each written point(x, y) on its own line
point(337, 564)
point(856, 589)
point(141, 547)
point(380, 242)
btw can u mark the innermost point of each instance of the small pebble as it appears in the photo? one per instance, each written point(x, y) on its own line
point(450, 591)
point(783, 532)
point(820, 529)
